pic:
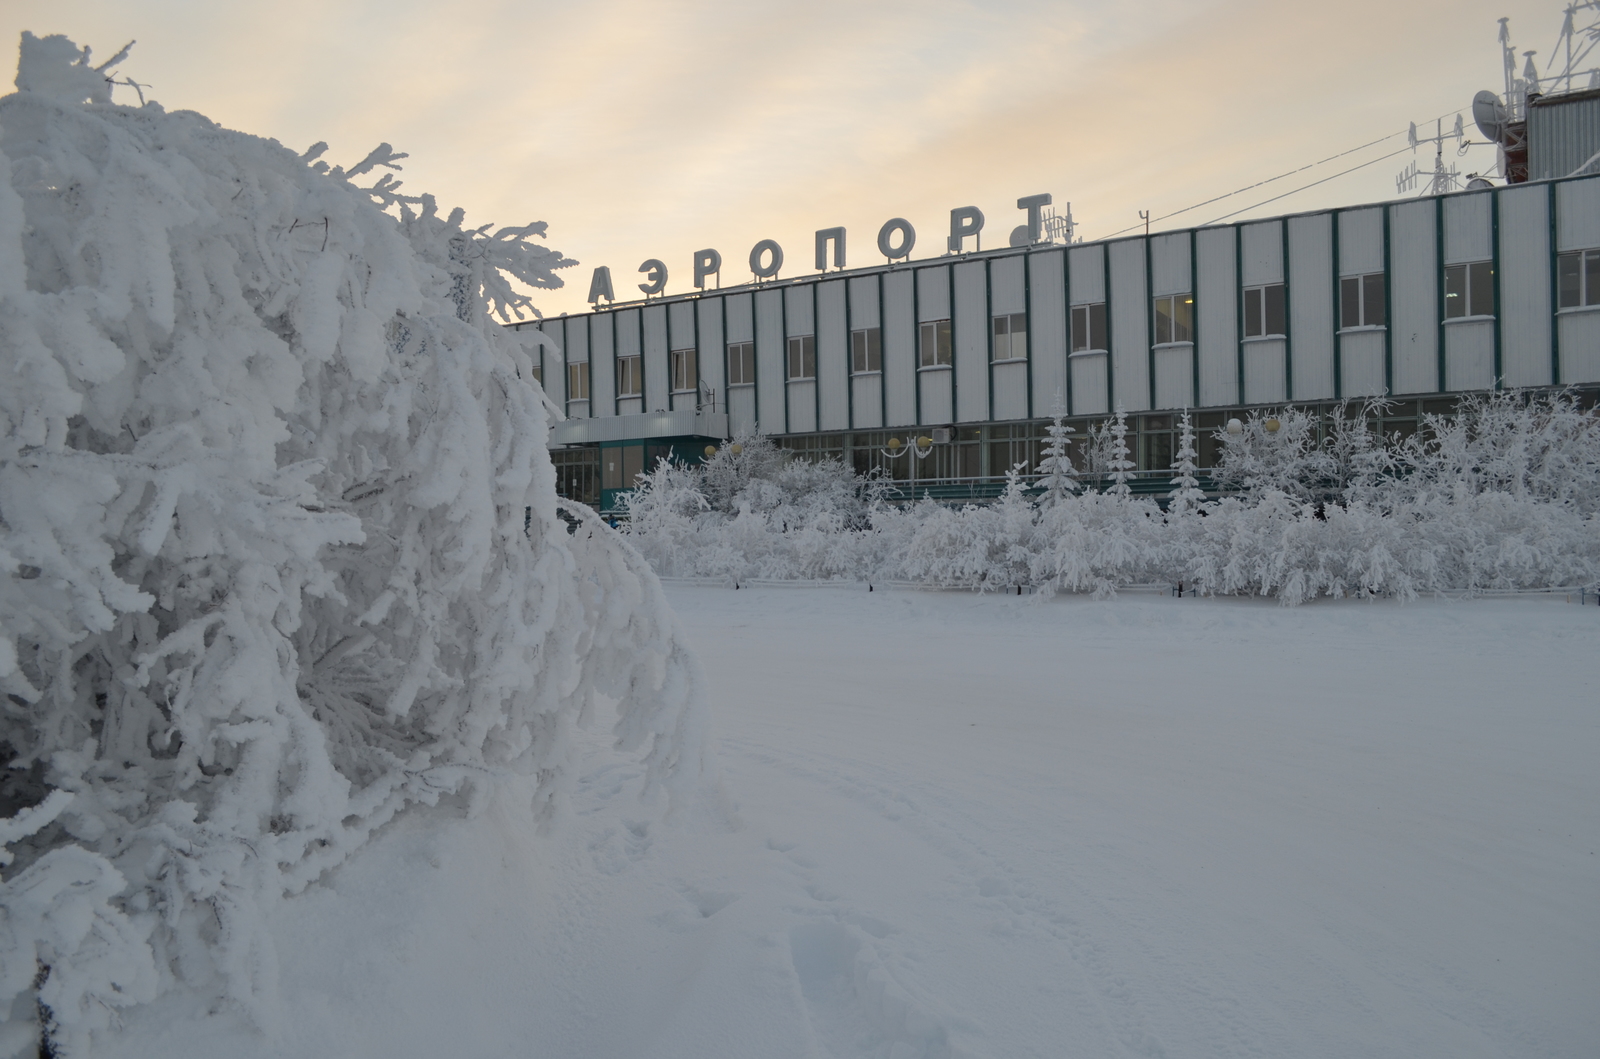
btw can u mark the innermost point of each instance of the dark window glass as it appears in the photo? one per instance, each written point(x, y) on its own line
point(1163, 321)
point(1455, 291)
point(1569, 279)
point(741, 363)
point(935, 343)
point(866, 350)
point(684, 375)
point(803, 357)
point(632, 464)
point(628, 376)
point(1372, 300)
point(1252, 312)
point(1275, 310)
point(1592, 280)
point(1089, 327)
point(1350, 301)
point(1480, 284)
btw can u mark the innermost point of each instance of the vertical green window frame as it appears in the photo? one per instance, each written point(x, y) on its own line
point(1111, 379)
point(1494, 258)
point(1288, 317)
point(1338, 339)
point(1150, 325)
point(1238, 305)
point(1194, 318)
point(1066, 304)
point(1442, 367)
point(883, 379)
point(988, 331)
point(849, 366)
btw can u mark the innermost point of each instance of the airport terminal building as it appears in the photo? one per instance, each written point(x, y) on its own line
point(1421, 299)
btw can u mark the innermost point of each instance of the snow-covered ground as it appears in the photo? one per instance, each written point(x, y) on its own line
point(991, 826)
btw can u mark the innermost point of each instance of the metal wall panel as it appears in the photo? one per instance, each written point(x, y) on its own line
point(713, 350)
point(1089, 384)
point(1414, 297)
point(1262, 253)
point(1005, 279)
point(555, 367)
point(1311, 321)
point(1264, 372)
point(656, 377)
point(1578, 217)
point(864, 302)
point(971, 343)
point(936, 405)
point(933, 293)
point(1130, 326)
point(799, 318)
point(1469, 355)
point(1563, 134)
point(1088, 274)
point(1169, 264)
point(1524, 286)
point(802, 407)
point(1580, 347)
point(741, 317)
point(867, 394)
point(1047, 331)
point(771, 403)
point(1175, 377)
point(1466, 228)
point(1010, 391)
point(1360, 242)
point(1217, 308)
point(899, 349)
point(1361, 358)
point(833, 356)
point(742, 410)
point(602, 365)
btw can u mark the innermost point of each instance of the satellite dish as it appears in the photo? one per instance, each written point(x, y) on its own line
point(1490, 116)
point(1019, 236)
point(1478, 183)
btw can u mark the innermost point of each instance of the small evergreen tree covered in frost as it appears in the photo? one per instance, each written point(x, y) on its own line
point(1059, 479)
point(1186, 496)
point(279, 546)
point(1120, 464)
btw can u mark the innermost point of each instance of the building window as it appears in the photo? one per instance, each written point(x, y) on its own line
point(803, 357)
point(1088, 327)
point(1174, 319)
point(742, 364)
point(1578, 278)
point(866, 350)
point(578, 381)
point(538, 372)
point(1361, 301)
point(1264, 311)
point(934, 348)
point(629, 382)
point(685, 377)
point(1469, 290)
point(1010, 336)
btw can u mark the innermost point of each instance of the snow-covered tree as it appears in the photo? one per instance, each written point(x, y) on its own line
point(1121, 464)
point(1059, 479)
point(1186, 495)
point(279, 546)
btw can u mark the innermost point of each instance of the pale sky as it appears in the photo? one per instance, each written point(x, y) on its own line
point(651, 130)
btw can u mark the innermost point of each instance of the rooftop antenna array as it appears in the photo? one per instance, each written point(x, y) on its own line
point(1443, 180)
point(1573, 48)
point(1055, 227)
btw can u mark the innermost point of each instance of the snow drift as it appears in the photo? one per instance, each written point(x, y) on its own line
point(280, 553)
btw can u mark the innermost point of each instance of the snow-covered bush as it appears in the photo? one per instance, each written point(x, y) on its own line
point(279, 545)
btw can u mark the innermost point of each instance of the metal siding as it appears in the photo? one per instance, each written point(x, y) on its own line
point(1414, 295)
point(682, 331)
point(899, 349)
point(656, 378)
point(713, 349)
point(769, 361)
point(1524, 286)
point(1169, 264)
point(1174, 377)
point(1360, 242)
point(600, 383)
point(1580, 347)
point(1562, 136)
point(602, 358)
point(1010, 391)
point(740, 321)
point(833, 356)
point(802, 407)
point(1466, 228)
point(1578, 214)
point(1361, 359)
point(933, 293)
point(742, 410)
point(864, 303)
point(971, 343)
point(1264, 372)
point(556, 367)
point(1311, 323)
point(935, 396)
point(1215, 297)
point(799, 309)
point(1047, 333)
point(1005, 291)
point(1088, 274)
point(1469, 355)
point(869, 409)
point(1262, 253)
point(1088, 384)
point(1130, 326)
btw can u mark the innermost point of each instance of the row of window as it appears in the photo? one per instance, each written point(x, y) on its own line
point(1468, 292)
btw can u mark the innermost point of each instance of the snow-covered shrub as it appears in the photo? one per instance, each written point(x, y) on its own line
point(279, 545)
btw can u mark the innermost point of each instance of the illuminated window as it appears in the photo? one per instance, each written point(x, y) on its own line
point(1174, 319)
point(1088, 327)
point(685, 377)
point(1578, 278)
point(1264, 311)
point(1469, 290)
point(741, 364)
point(803, 357)
point(1361, 301)
point(934, 348)
point(1010, 336)
point(629, 383)
point(866, 350)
